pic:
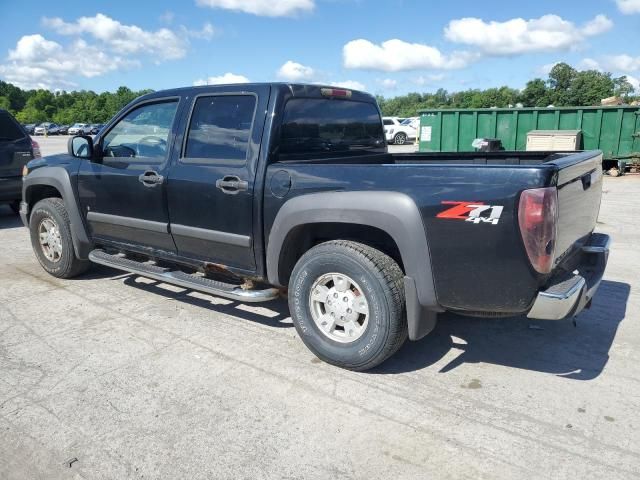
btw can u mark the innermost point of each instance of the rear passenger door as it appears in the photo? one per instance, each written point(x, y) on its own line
point(211, 185)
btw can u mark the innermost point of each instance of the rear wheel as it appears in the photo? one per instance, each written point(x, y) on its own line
point(51, 240)
point(347, 304)
point(400, 138)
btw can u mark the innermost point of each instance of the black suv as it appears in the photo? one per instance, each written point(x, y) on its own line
point(16, 149)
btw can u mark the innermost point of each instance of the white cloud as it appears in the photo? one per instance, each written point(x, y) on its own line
point(623, 62)
point(427, 79)
point(547, 67)
point(164, 44)
point(167, 17)
point(590, 64)
point(635, 82)
point(397, 55)
point(615, 63)
point(629, 7)
point(225, 79)
point(98, 45)
point(265, 8)
point(596, 26)
point(207, 32)
point(389, 83)
point(295, 72)
point(350, 84)
point(36, 62)
point(517, 36)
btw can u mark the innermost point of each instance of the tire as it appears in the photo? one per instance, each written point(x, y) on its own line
point(400, 138)
point(372, 274)
point(64, 264)
point(15, 206)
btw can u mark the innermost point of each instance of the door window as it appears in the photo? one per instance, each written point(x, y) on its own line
point(220, 129)
point(142, 133)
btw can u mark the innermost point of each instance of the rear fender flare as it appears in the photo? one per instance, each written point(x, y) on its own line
point(394, 213)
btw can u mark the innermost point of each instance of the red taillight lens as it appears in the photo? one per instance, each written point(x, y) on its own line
point(537, 216)
point(335, 92)
point(36, 149)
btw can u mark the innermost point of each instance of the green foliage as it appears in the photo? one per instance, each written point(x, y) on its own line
point(35, 106)
point(565, 86)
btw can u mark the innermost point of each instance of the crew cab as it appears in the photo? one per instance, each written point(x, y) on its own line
point(253, 191)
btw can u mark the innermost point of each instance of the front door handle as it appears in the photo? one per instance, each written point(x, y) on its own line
point(150, 178)
point(231, 184)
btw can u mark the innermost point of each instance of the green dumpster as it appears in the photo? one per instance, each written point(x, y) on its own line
point(614, 130)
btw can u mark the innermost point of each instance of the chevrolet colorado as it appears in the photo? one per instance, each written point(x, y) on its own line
point(250, 191)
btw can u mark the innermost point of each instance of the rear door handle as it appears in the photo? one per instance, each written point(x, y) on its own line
point(150, 178)
point(231, 184)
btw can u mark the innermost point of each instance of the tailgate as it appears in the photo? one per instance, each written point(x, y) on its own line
point(13, 156)
point(579, 183)
point(15, 146)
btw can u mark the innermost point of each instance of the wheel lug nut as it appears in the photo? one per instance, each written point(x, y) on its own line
point(335, 295)
point(349, 310)
point(345, 299)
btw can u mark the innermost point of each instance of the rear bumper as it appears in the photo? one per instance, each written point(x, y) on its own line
point(569, 296)
point(10, 188)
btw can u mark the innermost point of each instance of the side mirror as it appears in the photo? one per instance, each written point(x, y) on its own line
point(80, 146)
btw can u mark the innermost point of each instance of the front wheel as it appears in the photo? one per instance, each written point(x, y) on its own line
point(347, 304)
point(400, 138)
point(51, 240)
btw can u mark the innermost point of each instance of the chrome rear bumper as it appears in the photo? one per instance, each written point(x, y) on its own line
point(569, 297)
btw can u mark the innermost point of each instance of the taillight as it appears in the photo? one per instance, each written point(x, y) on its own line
point(537, 216)
point(36, 149)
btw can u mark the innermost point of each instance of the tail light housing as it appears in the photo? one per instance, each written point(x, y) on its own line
point(36, 149)
point(538, 218)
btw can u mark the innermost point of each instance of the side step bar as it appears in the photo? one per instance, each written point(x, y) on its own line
point(181, 279)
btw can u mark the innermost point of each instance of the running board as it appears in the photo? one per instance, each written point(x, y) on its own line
point(182, 279)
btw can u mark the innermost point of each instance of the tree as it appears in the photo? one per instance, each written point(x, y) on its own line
point(535, 94)
point(560, 78)
point(5, 104)
point(622, 87)
point(589, 87)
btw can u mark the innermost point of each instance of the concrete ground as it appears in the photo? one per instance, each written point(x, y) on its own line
point(115, 376)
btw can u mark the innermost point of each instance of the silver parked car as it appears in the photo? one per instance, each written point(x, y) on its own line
point(79, 129)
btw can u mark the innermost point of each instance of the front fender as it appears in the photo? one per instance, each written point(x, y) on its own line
point(58, 177)
point(394, 213)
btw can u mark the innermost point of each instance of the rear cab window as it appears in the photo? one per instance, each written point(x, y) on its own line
point(326, 128)
point(10, 130)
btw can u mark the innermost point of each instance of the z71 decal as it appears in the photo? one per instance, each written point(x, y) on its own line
point(475, 212)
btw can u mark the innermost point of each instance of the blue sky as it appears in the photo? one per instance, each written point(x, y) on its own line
point(387, 47)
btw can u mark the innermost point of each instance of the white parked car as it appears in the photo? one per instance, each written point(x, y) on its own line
point(399, 131)
point(79, 129)
point(46, 128)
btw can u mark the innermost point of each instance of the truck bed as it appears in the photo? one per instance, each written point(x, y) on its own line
point(476, 267)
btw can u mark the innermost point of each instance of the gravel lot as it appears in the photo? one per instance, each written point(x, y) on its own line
point(115, 376)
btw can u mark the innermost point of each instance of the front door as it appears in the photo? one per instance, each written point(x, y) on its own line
point(211, 186)
point(123, 193)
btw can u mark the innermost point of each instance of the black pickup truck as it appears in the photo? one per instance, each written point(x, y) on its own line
point(256, 190)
